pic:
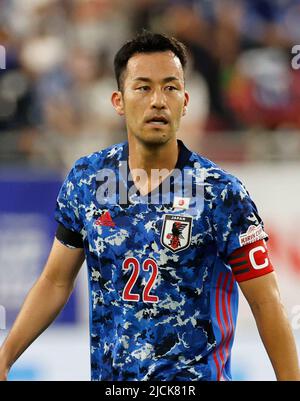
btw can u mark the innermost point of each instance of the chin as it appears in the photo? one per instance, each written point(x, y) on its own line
point(155, 138)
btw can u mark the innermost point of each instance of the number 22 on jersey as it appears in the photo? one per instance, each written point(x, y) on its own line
point(134, 264)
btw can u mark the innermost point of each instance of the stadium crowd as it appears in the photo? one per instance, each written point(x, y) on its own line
point(56, 87)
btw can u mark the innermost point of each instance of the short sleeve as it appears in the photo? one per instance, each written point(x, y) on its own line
point(236, 219)
point(68, 202)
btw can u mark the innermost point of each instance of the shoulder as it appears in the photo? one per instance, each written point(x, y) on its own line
point(90, 164)
point(215, 178)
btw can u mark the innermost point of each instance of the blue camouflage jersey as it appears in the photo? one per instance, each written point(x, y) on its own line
point(163, 298)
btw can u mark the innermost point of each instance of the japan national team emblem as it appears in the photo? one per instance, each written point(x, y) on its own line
point(176, 232)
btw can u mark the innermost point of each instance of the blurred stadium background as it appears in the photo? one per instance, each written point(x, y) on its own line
point(55, 107)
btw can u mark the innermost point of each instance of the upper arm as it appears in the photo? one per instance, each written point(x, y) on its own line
point(63, 264)
point(254, 273)
point(236, 219)
point(261, 290)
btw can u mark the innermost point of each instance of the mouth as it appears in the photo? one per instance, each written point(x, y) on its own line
point(157, 121)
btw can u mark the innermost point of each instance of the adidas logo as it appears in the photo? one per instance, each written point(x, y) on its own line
point(105, 220)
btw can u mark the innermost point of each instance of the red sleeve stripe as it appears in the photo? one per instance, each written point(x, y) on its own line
point(224, 288)
point(229, 296)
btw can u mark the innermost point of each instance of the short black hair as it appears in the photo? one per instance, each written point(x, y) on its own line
point(147, 42)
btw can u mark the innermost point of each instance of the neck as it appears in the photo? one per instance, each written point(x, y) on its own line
point(147, 158)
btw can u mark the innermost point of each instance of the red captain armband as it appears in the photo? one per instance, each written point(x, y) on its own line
point(250, 261)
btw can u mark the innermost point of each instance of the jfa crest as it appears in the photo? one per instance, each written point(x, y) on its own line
point(176, 232)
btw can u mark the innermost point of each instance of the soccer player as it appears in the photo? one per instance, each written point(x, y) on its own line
point(164, 249)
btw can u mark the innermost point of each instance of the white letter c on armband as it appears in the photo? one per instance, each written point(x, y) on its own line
point(252, 259)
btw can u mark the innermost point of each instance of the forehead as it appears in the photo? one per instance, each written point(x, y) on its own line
point(155, 66)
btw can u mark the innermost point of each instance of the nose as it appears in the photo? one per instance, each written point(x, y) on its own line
point(158, 100)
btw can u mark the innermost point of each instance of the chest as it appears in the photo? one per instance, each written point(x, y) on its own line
point(151, 230)
point(147, 252)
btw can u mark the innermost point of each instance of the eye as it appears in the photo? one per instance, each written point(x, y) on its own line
point(171, 88)
point(143, 88)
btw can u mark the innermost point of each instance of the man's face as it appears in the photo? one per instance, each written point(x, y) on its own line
point(153, 99)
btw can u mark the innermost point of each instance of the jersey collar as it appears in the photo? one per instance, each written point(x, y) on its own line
point(183, 156)
point(182, 161)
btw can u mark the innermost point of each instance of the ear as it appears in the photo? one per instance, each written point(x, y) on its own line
point(186, 102)
point(117, 102)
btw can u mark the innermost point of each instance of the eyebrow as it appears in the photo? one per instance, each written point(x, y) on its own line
point(165, 80)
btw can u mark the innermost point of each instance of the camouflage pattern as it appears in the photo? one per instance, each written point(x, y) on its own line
point(188, 332)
